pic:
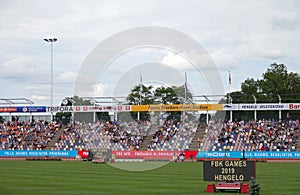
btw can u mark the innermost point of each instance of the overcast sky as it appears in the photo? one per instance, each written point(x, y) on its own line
point(244, 37)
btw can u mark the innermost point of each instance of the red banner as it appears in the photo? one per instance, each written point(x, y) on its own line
point(144, 154)
point(8, 109)
point(190, 154)
point(83, 153)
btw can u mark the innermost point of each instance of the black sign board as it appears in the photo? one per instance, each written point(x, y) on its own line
point(228, 170)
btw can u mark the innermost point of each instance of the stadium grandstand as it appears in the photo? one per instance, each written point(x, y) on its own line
point(261, 135)
point(185, 134)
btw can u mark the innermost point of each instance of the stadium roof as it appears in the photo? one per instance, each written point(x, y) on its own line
point(10, 101)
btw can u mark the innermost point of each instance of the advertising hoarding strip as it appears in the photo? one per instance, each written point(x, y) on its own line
point(249, 154)
point(38, 153)
point(150, 108)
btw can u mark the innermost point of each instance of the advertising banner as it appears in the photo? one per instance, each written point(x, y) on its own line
point(31, 109)
point(263, 106)
point(23, 109)
point(141, 154)
point(140, 108)
point(83, 153)
point(176, 107)
point(38, 153)
point(190, 154)
point(249, 154)
point(60, 109)
point(294, 106)
point(151, 108)
point(8, 109)
point(97, 108)
point(216, 107)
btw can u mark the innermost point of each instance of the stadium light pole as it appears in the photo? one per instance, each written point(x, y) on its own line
point(51, 41)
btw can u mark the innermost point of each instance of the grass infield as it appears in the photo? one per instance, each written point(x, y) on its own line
point(74, 177)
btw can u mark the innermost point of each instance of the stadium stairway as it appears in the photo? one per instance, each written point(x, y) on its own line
point(199, 134)
point(148, 138)
point(52, 142)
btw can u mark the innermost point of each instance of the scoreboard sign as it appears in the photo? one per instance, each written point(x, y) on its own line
point(228, 170)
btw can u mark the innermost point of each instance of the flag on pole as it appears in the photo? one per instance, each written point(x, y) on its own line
point(229, 77)
point(141, 87)
point(141, 83)
point(185, 87)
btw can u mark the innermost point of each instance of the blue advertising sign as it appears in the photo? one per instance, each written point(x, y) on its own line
point(249, 154)
point(31, 109)
point(38, 153)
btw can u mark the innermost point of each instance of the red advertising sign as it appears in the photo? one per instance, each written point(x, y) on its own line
point(142, 154)
point(83, 153)
point(190, 154)
point(294, 106)
point(8, 109)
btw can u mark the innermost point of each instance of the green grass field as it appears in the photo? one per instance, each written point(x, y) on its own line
point(61, 177)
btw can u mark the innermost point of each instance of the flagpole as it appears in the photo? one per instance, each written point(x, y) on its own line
point(185, 87)
point(229, 81)
point(185, 91)
point(140, 99)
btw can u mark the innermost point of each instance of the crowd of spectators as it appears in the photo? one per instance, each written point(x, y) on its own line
point(174, 135)
point(114, 135)
point(26, 135)
point(69, 140)
point(261, 135)
point(36, 135)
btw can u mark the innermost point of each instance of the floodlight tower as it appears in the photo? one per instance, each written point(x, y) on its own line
point(51, 41)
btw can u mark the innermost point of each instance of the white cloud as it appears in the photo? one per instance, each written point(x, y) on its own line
point(100, 89)
point(40, 98)
point(176, 61)
point(68, 76)
point(20, 68)
point(224, 59)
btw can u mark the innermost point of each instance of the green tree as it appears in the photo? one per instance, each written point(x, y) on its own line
point(166, 95)
point(172, 95)
point(136, 94)
point(275, 81)
point(161, 95)
point(143, 97)
point(250, 87)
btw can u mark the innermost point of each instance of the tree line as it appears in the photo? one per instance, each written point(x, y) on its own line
point(276, 85)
